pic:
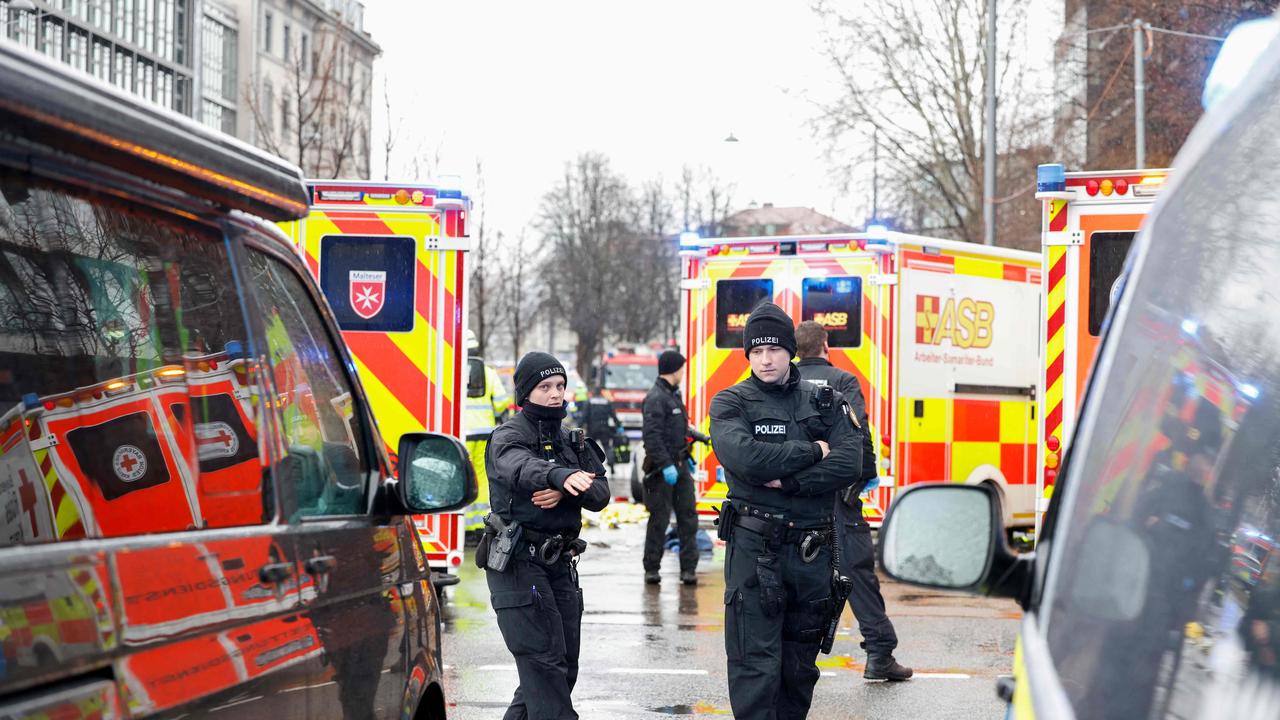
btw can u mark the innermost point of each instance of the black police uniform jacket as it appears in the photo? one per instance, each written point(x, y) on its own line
point(763, 431)
point(821, 372)
point(666, 428)
point(517, 465)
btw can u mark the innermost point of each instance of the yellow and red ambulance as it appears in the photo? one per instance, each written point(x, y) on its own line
point(1089, 222)
point(940, 334)
point(390, 258)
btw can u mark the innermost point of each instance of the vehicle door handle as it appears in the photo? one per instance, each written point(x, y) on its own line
point(273, 573)
point(321, 564)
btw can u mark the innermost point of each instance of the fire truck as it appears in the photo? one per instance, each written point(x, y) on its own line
point(390, 258)
point(625, 379)
point(940, 334)
point(1089, 222)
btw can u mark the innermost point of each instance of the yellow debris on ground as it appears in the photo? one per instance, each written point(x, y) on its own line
point(615, 515)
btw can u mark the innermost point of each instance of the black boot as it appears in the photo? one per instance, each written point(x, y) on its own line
point(652, 577)
point(884, 667)
point(688, 577)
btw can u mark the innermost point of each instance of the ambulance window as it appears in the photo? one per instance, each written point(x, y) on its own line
point(836, 304)
point(120, 340)
point(325, 466)
point(1107, 251)
point(735, 299)
point(368, 281)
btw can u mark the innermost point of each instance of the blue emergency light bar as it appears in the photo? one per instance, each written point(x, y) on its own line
point(1051, 177)
point(449, 194)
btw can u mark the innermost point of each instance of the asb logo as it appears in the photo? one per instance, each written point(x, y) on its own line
point(737, 321)
point(964, 323)
point(832, 320)
point(367, 292)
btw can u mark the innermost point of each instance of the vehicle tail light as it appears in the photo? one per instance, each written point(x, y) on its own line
point(1122, 186)
point(1091, 187)
point(1107, 187)
point(1053, 443)
point(1050, 476)
point(1051, 460)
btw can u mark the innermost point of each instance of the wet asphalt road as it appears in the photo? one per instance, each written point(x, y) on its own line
point(650, 651)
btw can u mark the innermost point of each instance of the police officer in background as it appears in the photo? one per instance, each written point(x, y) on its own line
point(787, 449)
point(668, 480)
point(540, 477)
point(601, 422)
point(857, 553)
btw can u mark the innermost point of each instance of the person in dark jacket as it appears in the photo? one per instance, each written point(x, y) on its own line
point(668, 480)
point(857, 552)
point(601, 422)
point(541, 478)
point(786, 450)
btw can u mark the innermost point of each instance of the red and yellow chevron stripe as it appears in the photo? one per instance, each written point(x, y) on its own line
point(1055, 350)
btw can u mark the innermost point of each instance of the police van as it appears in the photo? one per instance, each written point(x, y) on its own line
point(196, 513)
point(1150, 594)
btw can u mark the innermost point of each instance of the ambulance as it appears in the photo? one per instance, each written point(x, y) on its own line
point(390, 258)
point(1089, 221)
point(940, 334)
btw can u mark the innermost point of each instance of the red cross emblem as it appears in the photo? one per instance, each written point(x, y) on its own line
point(129, 463)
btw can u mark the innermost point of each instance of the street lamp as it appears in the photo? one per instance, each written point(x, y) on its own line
point(731, 138)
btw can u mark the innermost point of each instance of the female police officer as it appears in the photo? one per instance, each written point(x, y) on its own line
point(540, 477)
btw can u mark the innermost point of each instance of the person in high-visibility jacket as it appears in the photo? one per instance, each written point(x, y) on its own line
point(485, 409)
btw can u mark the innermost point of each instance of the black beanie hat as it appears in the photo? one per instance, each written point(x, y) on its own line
point(769, 325)
point(670, 361)
point(532, 369)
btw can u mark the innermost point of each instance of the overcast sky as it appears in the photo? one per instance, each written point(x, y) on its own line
point(526, 86)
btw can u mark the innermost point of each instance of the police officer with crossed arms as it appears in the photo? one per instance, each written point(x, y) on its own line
point(787, 449)
point(541, 476)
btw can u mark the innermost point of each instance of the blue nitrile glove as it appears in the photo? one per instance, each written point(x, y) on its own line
point(872, 484)
point(693, 466)
point(670, 475)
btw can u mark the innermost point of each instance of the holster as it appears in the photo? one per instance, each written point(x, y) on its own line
point(725, 521)
point(506, 538)
point(841, 587)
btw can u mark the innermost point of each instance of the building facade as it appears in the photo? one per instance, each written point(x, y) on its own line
point(140, 46)
point(293, 77)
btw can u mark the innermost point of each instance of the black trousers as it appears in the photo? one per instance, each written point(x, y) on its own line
point(539, 611)
point(772, 651)
point(659, 497)
point(858, 563)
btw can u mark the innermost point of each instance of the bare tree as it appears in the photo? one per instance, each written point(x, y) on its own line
point(518, 300)
point(584, 225)
point(321, 108)
point(912, 77)
point(393, 132)
point(702, 201)
point(647, 293)
point(485, 280)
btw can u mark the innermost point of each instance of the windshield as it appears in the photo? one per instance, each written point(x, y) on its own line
point(1163, 598)
point(631, 375)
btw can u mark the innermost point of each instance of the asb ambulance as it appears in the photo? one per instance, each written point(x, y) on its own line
point(390, 258)
point(940, 334)
point(1089, 222)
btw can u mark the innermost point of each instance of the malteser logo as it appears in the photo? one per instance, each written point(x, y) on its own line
point(552, 371)
point(964, 323)
point(765, 340)
point(771, 429)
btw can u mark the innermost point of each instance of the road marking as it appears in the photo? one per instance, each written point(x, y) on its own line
point(943, 676)
point(654, 671)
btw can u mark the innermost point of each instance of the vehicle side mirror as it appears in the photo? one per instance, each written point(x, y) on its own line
point(435, 473)
point(476, 386)
point(952, 537)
